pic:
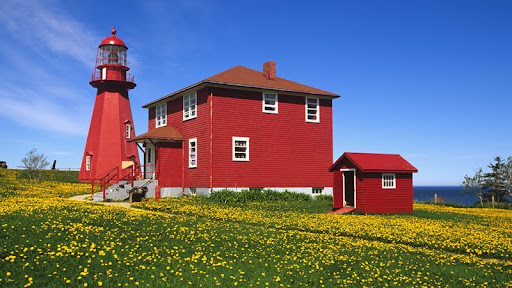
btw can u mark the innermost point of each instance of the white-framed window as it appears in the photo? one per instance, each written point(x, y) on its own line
point(161, 115)
point(88, 162)
point(103, 73)
point(388, 180)
point(312, 109)
point(190, 106)
point(128, 133)
point(240, 148)
point(317, 190)
point(192, 191)
point(192, 153)
point(270, 102)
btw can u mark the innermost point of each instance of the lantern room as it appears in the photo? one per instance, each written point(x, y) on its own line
point(112, 62)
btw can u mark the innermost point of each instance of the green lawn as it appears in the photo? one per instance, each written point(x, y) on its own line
point(52, 242)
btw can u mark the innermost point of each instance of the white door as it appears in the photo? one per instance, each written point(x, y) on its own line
point(149, 162)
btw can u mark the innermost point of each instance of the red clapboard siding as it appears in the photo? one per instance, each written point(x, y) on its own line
point(376, 199)
point(193, 128)
point(284, 149)
point(151, 118)
point(169, 167)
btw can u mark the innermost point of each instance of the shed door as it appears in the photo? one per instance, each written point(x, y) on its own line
point(149, 162)
point(348, 181)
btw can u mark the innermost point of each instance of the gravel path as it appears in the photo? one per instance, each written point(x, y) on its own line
point(83, 198)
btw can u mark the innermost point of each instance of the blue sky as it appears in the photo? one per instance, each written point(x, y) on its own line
point(430, 80)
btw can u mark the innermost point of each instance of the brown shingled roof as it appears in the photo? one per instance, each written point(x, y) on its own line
point(245, 77)
point(167, 133)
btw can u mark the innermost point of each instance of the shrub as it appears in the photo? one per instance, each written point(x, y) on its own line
point(246, 196)
point(321, 197)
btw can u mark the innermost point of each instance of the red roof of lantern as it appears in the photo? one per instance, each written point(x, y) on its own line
point(370, 162)
point(113, 40)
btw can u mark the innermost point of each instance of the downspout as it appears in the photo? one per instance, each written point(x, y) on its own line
point(211, 141)
point(183, 168)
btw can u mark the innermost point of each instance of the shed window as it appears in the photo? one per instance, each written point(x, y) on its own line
point(312, 110)
point(161, 115)
point(192, 153)
point(189, 106)
point(128, 131)
point(318, 190)
point(240, 149)
point(270, 103)
point(88, 162)
point(388, 181)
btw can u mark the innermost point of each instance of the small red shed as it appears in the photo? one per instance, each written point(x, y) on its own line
point(373, 183)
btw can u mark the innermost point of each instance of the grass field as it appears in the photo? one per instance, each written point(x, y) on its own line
point(46, 241)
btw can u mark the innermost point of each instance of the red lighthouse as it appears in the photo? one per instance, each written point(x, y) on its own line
point(107, 149)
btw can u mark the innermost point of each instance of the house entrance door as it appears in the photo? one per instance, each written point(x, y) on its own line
point(149, 162)
point(348, 182)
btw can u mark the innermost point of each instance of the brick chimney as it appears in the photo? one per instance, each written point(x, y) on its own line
point(269, 70)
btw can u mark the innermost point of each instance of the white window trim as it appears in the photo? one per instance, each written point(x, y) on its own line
point(321, 189)
point(190, 108)
point(246, 139)
point(88, 163)
point(163, 114)
point(190, 165)
point(317, 109)
point(128, 130)
point(392, 180)
point(264, 106)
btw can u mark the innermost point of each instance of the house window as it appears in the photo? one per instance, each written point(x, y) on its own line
point(318, 190)
point(128, 131)
point(312, 110)
point(161, 115)
point(388, 180)
point(270, 103)
point(189, 106)
point(240, 149)
point(192, 153)
point(192, 191)
point(88, 162)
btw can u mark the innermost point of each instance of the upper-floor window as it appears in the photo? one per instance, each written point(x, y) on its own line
point(240, 148)
point(128, 131)
point(312, 110)
point(161, 115)
point(192, 153)
point(270, 102)
point(189, 106)
point(388, 180)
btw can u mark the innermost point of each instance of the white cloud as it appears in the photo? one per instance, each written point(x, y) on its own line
point(42, 29)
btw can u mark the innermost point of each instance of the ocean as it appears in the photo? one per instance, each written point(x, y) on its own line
point(448, 193)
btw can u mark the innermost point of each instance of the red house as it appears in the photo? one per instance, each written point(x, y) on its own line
point(373, 183)
point(239, 129)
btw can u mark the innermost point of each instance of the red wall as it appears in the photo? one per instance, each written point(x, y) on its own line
point(169, 167)
point(192, 128)
point(372, 198)
point(284, 149)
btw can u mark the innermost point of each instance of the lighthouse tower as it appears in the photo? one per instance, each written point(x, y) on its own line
point(107, 149)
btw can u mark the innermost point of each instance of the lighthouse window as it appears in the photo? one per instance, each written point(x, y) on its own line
point(240, 149)
point(128, 131)
point(88, 162)
point(192, 153)
point(189, 106)
point(161, 115)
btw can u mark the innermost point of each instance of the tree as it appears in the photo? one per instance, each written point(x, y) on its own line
point(496, 181)
point(508, 176)
point(474, 185)
point(34, 163)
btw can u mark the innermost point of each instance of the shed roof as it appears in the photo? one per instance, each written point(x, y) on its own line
point(240, 76)
point(371, 162)
point(166, 133)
